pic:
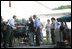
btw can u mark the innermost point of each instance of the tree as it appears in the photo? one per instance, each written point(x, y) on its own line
point(23, 20)
point(17, 20)
point(63, 7)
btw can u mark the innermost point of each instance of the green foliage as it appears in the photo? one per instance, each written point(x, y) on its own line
point(23, 20)
point(17, 20)
point(63, 7)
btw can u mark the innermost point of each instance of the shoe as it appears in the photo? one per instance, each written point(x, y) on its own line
point(37, 45)
point(31, 45)
point(10, 46)
point(53, 43)
point(4, 46)
point(41, 42)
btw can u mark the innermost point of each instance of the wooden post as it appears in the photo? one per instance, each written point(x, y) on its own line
point(9, 3)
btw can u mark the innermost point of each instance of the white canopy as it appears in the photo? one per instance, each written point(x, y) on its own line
point(23, 9)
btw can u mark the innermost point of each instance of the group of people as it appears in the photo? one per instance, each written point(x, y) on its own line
point(35, 28)
point(50, 30)
point(55, 31)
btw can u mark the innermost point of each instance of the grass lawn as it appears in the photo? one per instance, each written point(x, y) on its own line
point(44, 42)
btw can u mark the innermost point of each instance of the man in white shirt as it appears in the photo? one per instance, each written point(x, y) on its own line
point(11, 28)
point(11, 22)
point(53, 28)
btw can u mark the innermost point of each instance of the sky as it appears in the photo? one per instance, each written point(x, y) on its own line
point(25, 9)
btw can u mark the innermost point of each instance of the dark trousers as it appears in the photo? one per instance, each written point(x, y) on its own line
point(1, 36)
point(38, 37)
point(53, 36)
point(5, 38)
point(8, 36)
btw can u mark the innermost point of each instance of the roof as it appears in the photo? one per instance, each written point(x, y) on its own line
point(63, 11)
